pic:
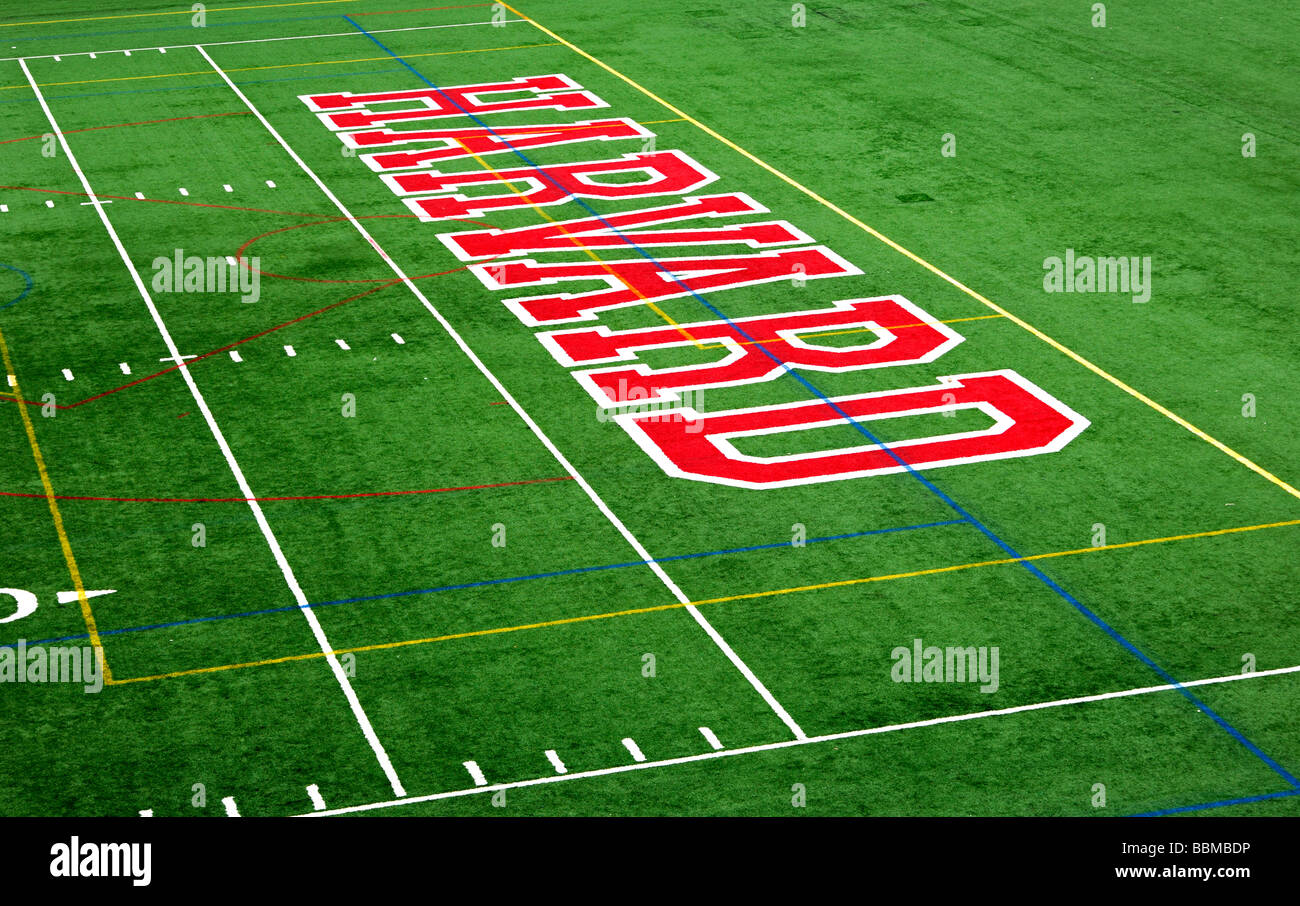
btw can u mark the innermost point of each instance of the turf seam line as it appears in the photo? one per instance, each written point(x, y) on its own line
point(286, 570)
point(811, 740)
point(983, 529)
point(528, 420)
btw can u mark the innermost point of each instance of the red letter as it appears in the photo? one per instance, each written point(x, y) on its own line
point(458, 143)
point(547, 92)
point(639, 280)
point(1027, 421)
point(758, 348)
point(667, 172)
point(599, 232)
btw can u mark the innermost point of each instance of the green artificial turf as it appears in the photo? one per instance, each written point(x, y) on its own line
point(1122, 140)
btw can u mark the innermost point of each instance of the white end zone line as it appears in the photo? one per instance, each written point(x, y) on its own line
point(164, 49)
point(807, 740)
point(631, 539)
point(289, 577)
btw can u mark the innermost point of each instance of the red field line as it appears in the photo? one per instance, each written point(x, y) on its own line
point(472, 487)
point(174, 119)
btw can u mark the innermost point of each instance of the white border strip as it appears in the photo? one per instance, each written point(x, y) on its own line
point(631, 539)
point(289, 577)
point(808, 740)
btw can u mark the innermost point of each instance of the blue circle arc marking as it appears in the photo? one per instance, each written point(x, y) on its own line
point(27, 278)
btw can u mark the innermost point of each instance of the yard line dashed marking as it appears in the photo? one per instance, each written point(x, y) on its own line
point(126, 369)
point(805, 741)
point(140, 195)
point(554, 759)
point(270, 184)
point(711, 738)
point(232, 810)
point(49, 202)
point(184, 191)
point(227, 188)
point(235, 356)
point(146, 813)
point(170, 75)
point(398, 340)
point(289, 351)
point(528, 420)
point(475, 773)
point(343, 345)
point(317, 800)
point(67, 374)
point(633, 749)
point(237, 473)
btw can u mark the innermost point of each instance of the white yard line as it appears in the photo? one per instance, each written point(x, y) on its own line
point(289, 577)
point(807, 740)
point(554, 758)
point(631, 539)
point(633, 749)
point(317, 800)
point(341, 34)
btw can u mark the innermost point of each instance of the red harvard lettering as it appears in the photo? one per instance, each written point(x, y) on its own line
point(666, 172)
point(758, 349)
point(639, 280)
point(1027, 421)
point(604, 232)
point(459, 143)
point(547, 92)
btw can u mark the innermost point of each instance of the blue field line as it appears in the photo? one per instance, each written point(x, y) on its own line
point(482, 583)
point(929, 485)
point(1204, 806)
point(101, 94)
point(27, 279)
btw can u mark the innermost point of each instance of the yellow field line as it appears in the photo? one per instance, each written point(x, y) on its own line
point(566, 621)
point(176, 12)
point(68, 557)
point(171, 75)
point(1096, 369)
point(578, 243)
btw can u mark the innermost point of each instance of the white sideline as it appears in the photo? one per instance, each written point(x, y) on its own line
point(164, 49)
point(807, 740)
point(235, 470)
point(527, 419)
